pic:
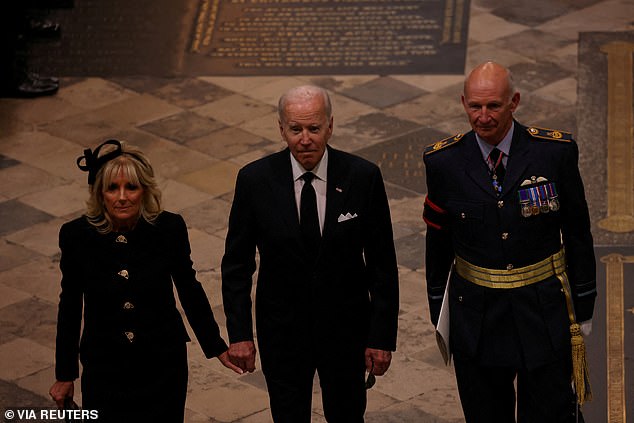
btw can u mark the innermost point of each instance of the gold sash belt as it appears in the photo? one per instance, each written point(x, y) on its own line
point(514, 278)
point(554, 265)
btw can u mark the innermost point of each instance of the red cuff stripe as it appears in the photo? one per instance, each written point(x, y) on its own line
point(432, 224)
point(433, 206)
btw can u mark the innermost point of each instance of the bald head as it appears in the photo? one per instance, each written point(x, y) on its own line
point(490, 74)
point(490, 101)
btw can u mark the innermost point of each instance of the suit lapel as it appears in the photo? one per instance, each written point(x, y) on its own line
point(474, 166)
point(336, 188)
point(517, 162)
point(515, 168)
point(282, 185)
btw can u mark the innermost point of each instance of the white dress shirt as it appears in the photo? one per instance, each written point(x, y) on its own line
point(319, 184)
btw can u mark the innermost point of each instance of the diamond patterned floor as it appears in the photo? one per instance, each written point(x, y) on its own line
point(200, 131)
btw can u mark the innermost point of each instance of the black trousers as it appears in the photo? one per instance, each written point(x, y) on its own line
point(341, 378)
point(544, 395)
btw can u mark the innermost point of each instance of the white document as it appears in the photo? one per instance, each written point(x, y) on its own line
point(442, 329)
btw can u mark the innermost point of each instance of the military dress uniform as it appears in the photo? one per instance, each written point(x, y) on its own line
point(133, 342)
point(508, 252)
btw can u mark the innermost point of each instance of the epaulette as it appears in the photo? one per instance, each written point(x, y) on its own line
point(550, 134)
point(442, 144)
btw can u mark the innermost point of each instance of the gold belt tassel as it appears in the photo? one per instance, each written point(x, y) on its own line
point(554, 265)
point(580, 370)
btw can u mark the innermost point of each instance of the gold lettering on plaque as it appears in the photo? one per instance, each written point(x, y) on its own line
point(205, 21)
point(620, 166)
point(213, 14)
point(615, 336)
point(200, 23)
point(457, 26)
point(452, 21)
point(447, 21)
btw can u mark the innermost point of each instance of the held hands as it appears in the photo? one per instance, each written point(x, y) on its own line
point(60, 391)
point(377, 361)
point(242, 355)
point(226, 361)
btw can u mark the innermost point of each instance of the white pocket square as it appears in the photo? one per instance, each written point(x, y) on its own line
point(344, 217)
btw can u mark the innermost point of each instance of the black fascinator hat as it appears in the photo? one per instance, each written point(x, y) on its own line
point(92, 161)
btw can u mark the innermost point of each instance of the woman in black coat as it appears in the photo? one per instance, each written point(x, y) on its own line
point(119, 264)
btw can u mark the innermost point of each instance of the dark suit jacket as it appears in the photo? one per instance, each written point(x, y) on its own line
point(349, 298)
point(499, 326)
point(143, 304)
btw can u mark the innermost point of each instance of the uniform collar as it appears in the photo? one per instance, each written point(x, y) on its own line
point(504, 146)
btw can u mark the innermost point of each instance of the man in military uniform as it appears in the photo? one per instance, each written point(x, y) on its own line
point(508, 228)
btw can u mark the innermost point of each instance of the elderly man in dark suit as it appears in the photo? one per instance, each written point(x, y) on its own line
point(327, 288)
point(506, 212)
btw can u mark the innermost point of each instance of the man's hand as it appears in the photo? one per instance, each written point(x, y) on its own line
point(226, 361)
point(60, 391)
point(377, 361)
point(242, 354)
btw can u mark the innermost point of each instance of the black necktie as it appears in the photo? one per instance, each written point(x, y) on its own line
point(497, 169)
point(308, 220)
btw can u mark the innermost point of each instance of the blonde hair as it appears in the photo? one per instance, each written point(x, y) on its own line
point(137, 168)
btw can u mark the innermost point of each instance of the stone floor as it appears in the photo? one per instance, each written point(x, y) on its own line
point(199, 131)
